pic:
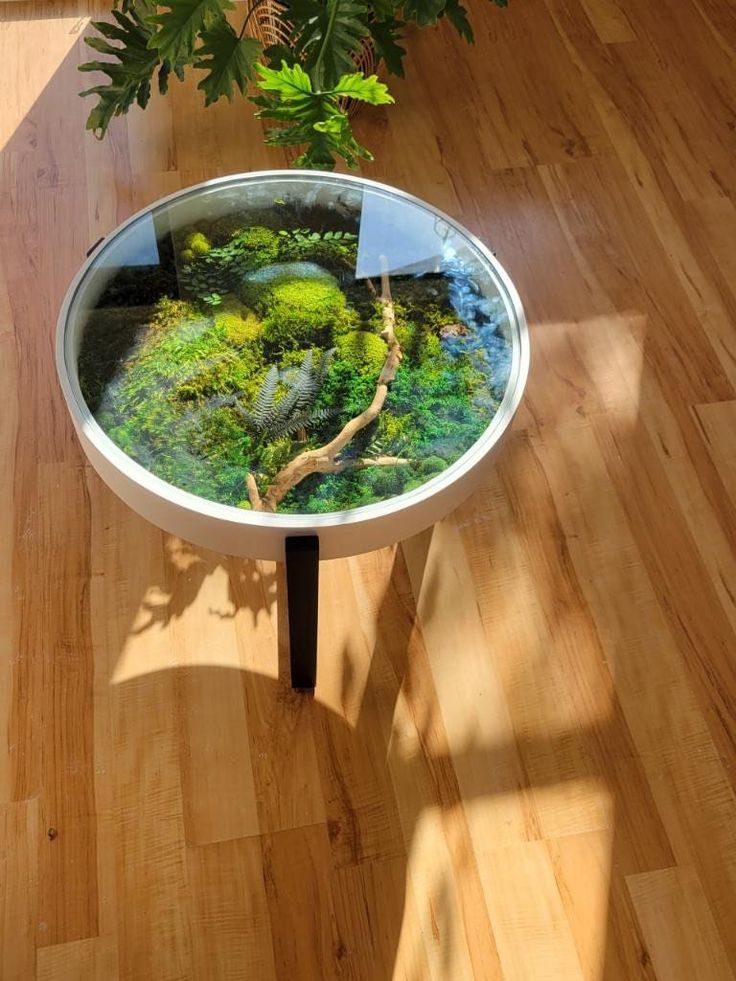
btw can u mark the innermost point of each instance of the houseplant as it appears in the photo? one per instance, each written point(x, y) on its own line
point(302, 83)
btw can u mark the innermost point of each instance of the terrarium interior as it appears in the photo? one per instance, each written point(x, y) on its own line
point(295, 345)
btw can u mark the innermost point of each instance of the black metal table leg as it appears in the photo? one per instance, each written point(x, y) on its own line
point(302, 587)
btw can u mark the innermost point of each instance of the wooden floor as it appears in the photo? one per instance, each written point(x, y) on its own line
point(521, 758)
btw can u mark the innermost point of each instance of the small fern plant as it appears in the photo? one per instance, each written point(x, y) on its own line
point(295, 413)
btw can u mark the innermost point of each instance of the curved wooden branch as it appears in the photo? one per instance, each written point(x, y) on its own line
point(254, 495)
point(325, 459)
point(370, 461)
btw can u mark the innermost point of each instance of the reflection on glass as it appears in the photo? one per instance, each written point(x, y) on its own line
point(293, 345)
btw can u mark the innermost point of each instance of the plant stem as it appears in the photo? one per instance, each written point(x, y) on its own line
point(257, 3)
point(317, 79)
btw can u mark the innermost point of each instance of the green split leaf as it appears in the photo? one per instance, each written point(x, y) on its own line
point(130, 72)
point(181, 25)
point(424, 12)
point(290, 82)
point(365, 89)
point(327, 34)
point(228, 60)
point(458, 17)
point(386, 35)
point(313, 118)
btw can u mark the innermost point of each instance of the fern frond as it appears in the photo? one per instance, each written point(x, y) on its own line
point(305, 385)
point(376, 448)
point(272, 419)
point(304, 420)
point(282, 411)
point(302, 393)
point(321, 415)
point(265, 401)
point(323, 366)
point(233, 402)
point(290, 426)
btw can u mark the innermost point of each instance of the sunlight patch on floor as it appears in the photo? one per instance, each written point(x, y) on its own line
point(535, 891)
point(434, 877)
point(612, 349)
point(29, 77)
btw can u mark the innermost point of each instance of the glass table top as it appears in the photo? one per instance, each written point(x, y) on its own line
point(294, 343)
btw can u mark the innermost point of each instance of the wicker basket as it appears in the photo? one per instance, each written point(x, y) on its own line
point(269, 28)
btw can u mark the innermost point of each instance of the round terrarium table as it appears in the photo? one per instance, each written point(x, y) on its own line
point(291, 365)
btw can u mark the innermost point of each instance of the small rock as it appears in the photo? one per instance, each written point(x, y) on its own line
point(454, 330)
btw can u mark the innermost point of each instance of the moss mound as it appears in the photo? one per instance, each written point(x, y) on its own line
point(362, 350)
point(239, 324)
point(195, 245)
point(259, 245)
point(299, 313)
point(156, 407)
point(223, 374)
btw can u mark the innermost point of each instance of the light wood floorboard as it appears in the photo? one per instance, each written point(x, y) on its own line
point(520, 761)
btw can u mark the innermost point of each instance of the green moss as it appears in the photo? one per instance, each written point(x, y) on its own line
point(239, 324)
point(168, 315)
point(224, 228)
point(422, 309)
point(301, 313)
point(434, 347)
point(387, 481)
point(431, 465)
point(292, 359)
point(218, 435)
point(157, 411)
point(254, 295)
point(223, 374)
point(419, 343)
point(197, 243)
point(413, 483)
point(227, 227)
point(363, 351)
point(394, 431)
point(109, 337)
point(275, 455)
point(347, 388)
point(260, 244)
point(404, 334)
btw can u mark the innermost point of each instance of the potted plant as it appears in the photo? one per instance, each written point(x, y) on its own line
point(301, 62)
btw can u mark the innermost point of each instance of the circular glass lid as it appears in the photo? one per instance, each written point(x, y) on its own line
point(294, 343)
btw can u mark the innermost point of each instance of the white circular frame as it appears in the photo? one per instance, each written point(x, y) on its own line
point(254, 534)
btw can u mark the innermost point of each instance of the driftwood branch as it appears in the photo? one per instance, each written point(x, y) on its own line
point(370, 461)
point(326, 459)
point(254, 495)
